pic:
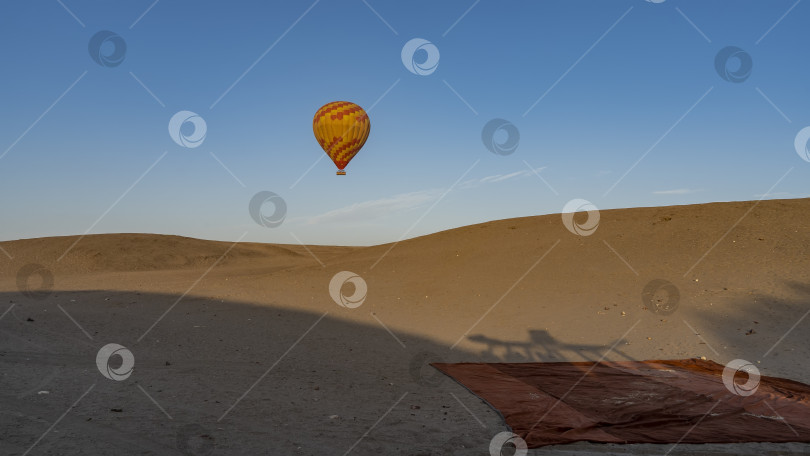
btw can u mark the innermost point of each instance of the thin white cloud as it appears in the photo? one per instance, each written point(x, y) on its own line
point(499, 177)
point(677, 191)
point(779, 195)
point(374, 209)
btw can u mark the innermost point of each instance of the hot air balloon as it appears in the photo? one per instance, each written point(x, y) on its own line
point(341, 128)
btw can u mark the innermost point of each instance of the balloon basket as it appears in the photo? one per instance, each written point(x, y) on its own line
point(341, 172)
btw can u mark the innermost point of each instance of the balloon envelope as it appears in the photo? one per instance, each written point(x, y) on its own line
point(341, 128)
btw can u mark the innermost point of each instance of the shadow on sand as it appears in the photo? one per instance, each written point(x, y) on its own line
point(769, 331)
point(542, 347)
point(225, 377)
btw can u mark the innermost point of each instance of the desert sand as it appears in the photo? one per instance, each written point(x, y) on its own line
point(239, 349)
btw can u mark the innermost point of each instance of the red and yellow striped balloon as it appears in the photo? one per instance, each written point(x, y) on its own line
point(341, 128)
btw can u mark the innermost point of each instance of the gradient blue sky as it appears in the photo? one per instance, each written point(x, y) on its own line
point(608, 100)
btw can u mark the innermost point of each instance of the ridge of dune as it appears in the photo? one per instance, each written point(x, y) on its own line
point(666, 235)
point(140, 252)
point(700, 237)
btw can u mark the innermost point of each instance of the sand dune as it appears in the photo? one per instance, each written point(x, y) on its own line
point(147, 252)
point(516, 290)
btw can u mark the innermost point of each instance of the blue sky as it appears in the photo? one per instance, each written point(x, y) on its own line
point(591, 86)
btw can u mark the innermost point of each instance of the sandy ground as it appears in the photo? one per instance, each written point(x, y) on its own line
point(247, 353)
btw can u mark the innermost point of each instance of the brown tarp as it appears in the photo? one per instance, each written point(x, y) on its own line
point(664, 401)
